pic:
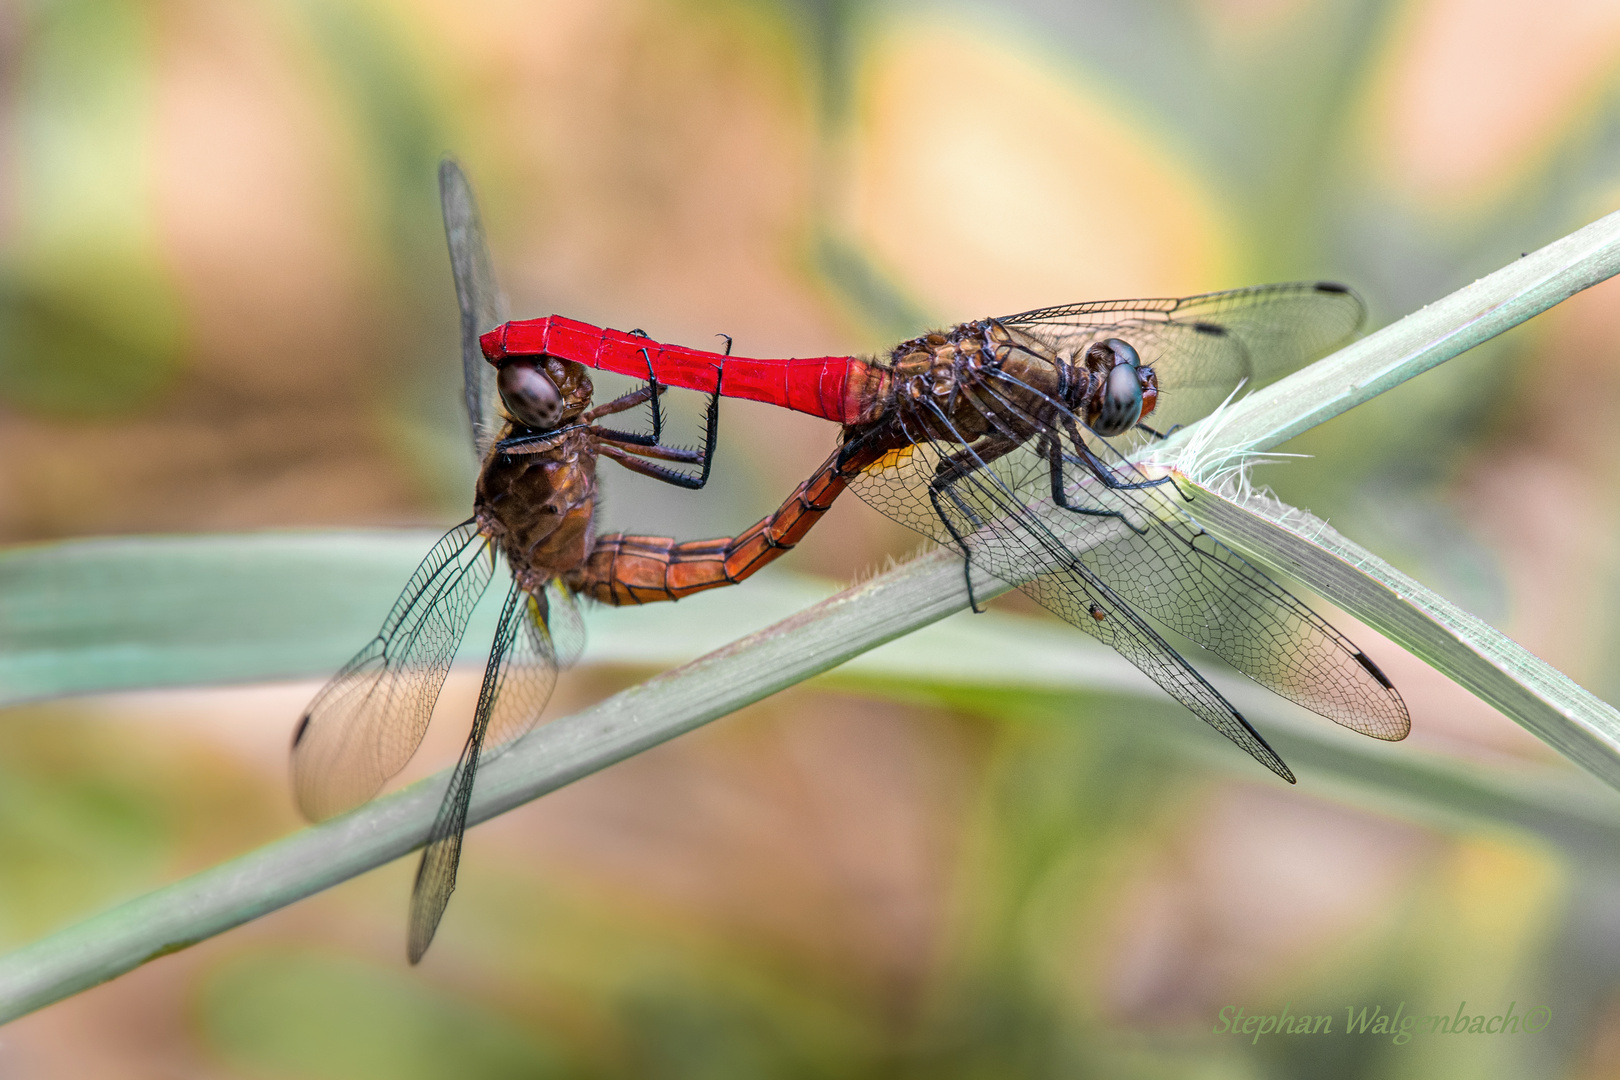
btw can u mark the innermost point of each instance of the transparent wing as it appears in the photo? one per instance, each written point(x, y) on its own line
point(522, 671)
point(552, 640)
point(1129, 550)
point(1181, 577)
point(1203, 346)
point(565, 624)
point(483, 307)
point(1112, 622)
point(366, 723)
point(983, 511)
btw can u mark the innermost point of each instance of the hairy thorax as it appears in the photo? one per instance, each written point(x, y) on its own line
point(538, 507)
point(952, 384)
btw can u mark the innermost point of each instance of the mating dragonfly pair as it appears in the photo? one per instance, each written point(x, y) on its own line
point(1009, 439)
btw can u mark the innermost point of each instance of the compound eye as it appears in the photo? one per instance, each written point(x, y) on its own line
point(1121, 403)
point(1124, 352)
point(530, 396)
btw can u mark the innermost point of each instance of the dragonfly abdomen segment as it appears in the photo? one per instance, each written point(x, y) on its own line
point(624, 569)
point(831, 387)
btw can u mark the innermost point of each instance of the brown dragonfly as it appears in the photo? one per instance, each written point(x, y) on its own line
point(1016, 441)
point(534, 505)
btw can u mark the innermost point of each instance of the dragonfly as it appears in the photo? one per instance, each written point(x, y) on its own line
point(539, 439)
point(1015, 441)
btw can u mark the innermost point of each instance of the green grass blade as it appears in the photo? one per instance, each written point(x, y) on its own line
point(837, 629)
point(205, 904)
point(121, 614)
point(92, 616)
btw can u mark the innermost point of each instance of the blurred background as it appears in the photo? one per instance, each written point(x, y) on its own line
point(225, 304)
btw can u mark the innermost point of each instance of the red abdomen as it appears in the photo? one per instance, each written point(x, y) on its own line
point(839, 388)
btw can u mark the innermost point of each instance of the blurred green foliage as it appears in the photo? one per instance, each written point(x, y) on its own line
point(92, 813)
point(319, 1015)
point(89, 319)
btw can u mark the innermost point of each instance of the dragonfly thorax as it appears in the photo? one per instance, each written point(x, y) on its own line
point(938, 379)
point(934, 365)
point(538, 506)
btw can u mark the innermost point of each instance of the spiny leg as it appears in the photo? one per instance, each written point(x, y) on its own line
point(1055, 457)
point(649, 393)
point(622, 454)
point(652, 391)
point(967, 555)
point(1101, 470)
point(947, 473)
point(622, 403)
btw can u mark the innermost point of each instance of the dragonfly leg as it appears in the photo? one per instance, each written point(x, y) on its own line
point(934, 493)
point(622, 403)
point(947, 473)
point(625, 569)
point(970, 459)
point(1101, 470)
point(649, 393)
point(1055, 459)
point(607, 440)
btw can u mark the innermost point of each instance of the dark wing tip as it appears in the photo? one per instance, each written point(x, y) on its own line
point(1212, 329)
point(302, 729)
point(1270, 759)
point(1401, 726)
point(1372, 669)
point(1335, 288)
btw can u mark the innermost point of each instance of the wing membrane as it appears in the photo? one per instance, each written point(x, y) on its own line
point(522, 671)
point(983, 511)
point(483, 307)
point(1180, 576)
point(366, 723)
point(1203, 346)
point(1116, 552)
point(1114, 624)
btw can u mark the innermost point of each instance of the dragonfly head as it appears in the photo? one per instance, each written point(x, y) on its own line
point(1122, 391)
point(540, 391)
